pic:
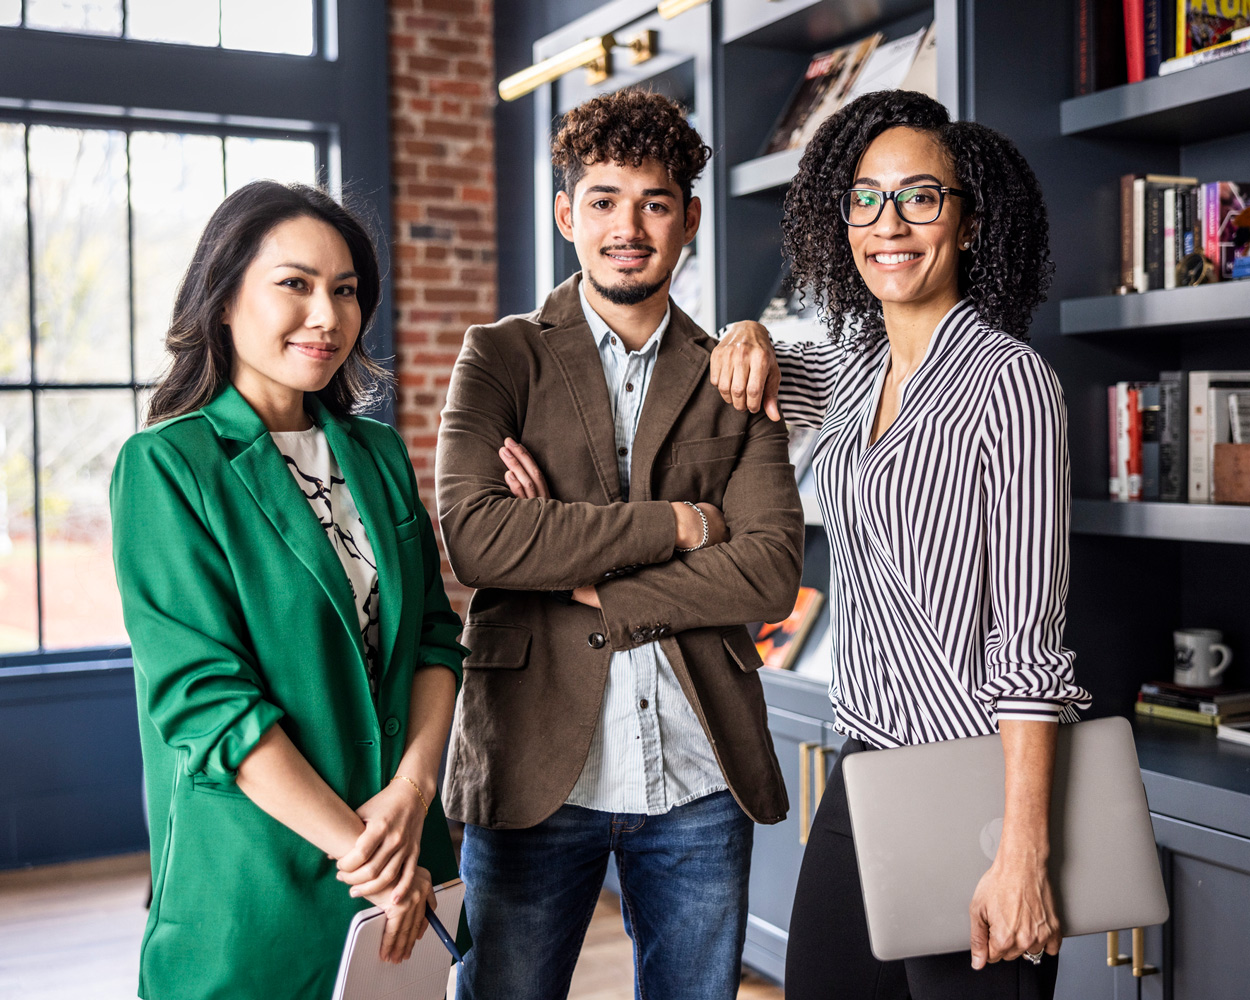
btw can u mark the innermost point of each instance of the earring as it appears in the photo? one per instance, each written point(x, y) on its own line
point(965, 246)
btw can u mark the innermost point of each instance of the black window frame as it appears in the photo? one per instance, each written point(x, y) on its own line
point(337, 98)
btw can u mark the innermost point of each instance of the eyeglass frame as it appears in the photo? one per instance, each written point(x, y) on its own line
point(888, 196)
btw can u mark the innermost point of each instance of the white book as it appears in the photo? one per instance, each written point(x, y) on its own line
point(1139, 235)
point(1202, 428)
point(1234, 732)
point(922, 76)
point(1169, 237)
point(888, 65)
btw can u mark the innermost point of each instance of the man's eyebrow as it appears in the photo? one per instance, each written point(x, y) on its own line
point(314, 273)
point(659, 193)
point(603, 189)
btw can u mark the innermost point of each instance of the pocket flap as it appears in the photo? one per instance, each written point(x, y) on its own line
point(708, 449)
point(741, 647)
point(496, 646)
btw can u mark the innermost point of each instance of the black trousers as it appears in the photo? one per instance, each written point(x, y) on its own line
point(828, 957)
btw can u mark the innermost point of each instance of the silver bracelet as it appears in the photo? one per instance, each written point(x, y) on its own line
point(703, 518)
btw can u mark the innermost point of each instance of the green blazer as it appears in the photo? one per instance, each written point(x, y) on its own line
point(241, 616)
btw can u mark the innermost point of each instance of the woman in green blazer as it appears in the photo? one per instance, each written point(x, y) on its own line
point(295, 656)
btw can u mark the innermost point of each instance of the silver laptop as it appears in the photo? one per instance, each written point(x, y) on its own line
point(927, 820)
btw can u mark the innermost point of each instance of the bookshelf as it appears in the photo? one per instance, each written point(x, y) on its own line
point(1195, 105)
point(1184, 522)
point(1221, 307)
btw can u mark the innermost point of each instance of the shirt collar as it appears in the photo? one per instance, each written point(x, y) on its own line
point(601, 331)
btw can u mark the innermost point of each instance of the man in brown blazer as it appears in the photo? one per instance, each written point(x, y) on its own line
point(621, 523)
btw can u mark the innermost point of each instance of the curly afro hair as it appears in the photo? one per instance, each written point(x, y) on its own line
point(1007, 270)
point(628, 127)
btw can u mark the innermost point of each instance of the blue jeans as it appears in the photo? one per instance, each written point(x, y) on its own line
point(530, 895)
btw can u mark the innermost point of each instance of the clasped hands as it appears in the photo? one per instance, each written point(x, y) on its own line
point(526, 481)
point(382, 867)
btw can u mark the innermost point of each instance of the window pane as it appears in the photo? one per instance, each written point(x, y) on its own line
point(80, 434)
point(175, 183)
point(192, 22)
point(82, 301)
point(268, 25)
point(18, 608)
point(10, 13)
point(14, 275)
point(284, 160)
point(102, 16)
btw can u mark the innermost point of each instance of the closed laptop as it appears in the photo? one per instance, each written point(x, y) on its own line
point(927, 820)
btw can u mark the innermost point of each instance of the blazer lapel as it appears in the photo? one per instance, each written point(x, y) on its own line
point(679, 367)
point(573, 346)
point(368, 491)
point(263, 471)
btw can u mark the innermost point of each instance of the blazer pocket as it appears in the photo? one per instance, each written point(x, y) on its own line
point(495, 646)
point(707, 449)
point(741, 649)
point(408, 529)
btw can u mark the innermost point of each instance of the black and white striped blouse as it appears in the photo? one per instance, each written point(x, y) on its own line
point(948, 535)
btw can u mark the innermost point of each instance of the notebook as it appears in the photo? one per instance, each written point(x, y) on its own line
point(364, 976)
point(927, 820)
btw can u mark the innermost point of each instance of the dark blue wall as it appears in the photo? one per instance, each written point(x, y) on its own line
point(71, 780)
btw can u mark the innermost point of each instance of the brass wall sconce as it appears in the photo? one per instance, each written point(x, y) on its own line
point(669, 9)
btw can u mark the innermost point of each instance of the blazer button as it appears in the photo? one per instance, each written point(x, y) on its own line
point(596, 640)
point(639, 636)
point(391, 726)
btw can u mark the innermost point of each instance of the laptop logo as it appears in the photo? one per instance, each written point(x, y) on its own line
point(991, 834)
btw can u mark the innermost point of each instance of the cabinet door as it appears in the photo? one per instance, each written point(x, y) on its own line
point(778, 851)
point(1204, 949)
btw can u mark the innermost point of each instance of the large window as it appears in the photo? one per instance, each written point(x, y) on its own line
point(99, 212)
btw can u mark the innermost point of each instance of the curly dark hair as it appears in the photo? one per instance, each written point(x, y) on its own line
point(1007, 270)
point(628, 127)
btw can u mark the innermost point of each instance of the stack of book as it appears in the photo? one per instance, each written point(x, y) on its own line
point(1209, 707)
point(1126, 41)
point(1166, 220)
point(833, 78)
point(1185, 437)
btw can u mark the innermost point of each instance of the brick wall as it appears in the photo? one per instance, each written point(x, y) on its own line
point(442, 162)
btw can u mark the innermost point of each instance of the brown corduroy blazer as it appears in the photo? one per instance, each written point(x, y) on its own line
point(535, 675)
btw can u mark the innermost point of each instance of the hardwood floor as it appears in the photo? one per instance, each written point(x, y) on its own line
point(68, 932)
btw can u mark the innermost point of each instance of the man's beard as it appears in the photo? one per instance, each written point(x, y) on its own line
point(627, 293)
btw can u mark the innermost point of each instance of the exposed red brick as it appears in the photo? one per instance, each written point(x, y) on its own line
point(441, 63)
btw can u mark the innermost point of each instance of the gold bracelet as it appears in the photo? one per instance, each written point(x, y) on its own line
point(425, 805)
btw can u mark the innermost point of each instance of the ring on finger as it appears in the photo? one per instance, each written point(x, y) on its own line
point(1034, 957)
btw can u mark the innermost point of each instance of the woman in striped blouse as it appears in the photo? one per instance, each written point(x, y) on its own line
point(942, 472)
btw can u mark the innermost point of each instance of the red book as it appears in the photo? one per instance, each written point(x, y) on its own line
point(1135, 39)
point(1134, 444)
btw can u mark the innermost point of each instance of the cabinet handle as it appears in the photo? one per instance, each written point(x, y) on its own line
point(1140, 968)
point(820, 776)
point(805, 789)
point(1114, 957)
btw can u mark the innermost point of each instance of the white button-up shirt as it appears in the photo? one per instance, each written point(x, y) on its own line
point(648, 754)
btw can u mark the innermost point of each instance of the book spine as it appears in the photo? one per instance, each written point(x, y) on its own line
point(1134, 464)
point(1203, 56)
point(1139, 234)
point(1171, 437)
point(1135, 40)
point(1232, 199)
point(1175, 714)
point(1151, 419)
point(1126, 231)
point(1198, 486)
point(1234, 734)
point(1211, 222)
point(1179, 701)
point(1113, 425)
point(1182, 27)
point(1084, 81)
point(1152, 29)
point(1169, 237)
point(1154, 237)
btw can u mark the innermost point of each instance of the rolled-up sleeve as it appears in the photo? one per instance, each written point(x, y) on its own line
point(1027, 492)
point(198, 681)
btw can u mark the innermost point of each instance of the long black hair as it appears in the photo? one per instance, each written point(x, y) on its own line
point(1006, 271)
point(202, 350)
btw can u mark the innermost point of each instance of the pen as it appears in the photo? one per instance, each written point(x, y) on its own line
point(443, 936)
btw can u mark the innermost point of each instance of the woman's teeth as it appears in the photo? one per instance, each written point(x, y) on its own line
point(894, 258)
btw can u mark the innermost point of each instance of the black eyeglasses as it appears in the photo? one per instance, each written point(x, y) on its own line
point(920, 205)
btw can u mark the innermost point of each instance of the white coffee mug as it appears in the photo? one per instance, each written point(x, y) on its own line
point(1200, 657)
